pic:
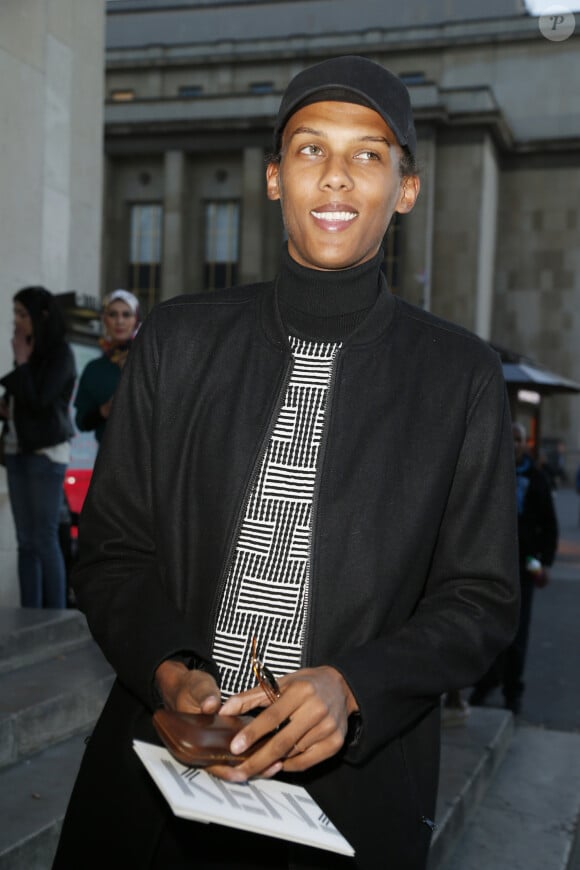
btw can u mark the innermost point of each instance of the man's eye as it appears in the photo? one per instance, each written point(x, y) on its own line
point(310, 150)
point(368, 155)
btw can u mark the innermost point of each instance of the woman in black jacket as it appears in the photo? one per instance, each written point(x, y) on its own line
point(37, 433)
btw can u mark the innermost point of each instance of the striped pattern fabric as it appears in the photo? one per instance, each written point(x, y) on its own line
point(266, 590)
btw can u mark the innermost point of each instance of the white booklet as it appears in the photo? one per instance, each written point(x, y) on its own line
point(264, 806)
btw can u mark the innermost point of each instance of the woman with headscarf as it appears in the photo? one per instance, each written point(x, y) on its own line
point(100, 377)
point(37, 437)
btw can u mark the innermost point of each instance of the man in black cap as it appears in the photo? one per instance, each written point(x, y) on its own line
point(316, 464)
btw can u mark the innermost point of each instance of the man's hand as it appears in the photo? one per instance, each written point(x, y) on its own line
point(186, 691)
point(315, 704)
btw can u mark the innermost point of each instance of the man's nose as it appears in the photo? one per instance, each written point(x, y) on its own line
point(336, 174)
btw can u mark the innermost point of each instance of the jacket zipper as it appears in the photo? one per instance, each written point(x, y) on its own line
point(255, 470)
point(315, 501)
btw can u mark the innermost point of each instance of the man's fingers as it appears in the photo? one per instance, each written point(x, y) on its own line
point(291, 750)
point(198, 693)
point(189, 691)
point(210, 704)
point(306, 725)
point(313, 755)
point(244, 702)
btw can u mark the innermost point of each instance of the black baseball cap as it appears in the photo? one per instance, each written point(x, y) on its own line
point(351, 79)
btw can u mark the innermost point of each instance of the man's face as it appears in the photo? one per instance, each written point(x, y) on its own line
point(339, 184)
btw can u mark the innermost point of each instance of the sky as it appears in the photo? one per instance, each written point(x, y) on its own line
point(537, 7)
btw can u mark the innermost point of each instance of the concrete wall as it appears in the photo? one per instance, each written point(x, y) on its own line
point(51, 96)
point(535, 84)
point(537, 302)
point(458, 191)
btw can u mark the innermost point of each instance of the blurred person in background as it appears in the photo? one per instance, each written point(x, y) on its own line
point(538, 541)
point(100, 377)
point(37, 436)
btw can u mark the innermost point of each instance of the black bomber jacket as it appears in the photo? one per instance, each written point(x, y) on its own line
point(414, 561)
point(414, 584)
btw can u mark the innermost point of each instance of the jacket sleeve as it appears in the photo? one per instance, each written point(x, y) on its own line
point(38, 387)
point(117, 579)
point(468, 610)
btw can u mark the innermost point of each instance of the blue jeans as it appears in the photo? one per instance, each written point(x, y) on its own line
point(35, 486)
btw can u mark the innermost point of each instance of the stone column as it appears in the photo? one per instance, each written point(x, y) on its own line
point(172, 272)
point(252, 229)
point(487, 240)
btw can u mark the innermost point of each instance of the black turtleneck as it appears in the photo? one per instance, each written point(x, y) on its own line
point(326, 305)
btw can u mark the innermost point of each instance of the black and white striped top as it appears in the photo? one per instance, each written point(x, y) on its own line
point(267, 586)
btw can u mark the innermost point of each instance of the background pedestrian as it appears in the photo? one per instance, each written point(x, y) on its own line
point(38, 430)
point(538, 542)
point(100, 377)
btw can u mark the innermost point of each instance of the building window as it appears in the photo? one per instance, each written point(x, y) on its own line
point(122, 96)
point(262, 87)
point(190, 90)
point(145, 254)
point(392, 249)
point(222, 230)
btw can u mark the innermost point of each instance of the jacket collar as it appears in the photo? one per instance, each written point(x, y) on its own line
point(374, 325)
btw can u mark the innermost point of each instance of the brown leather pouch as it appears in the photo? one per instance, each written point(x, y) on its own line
point(198, 739)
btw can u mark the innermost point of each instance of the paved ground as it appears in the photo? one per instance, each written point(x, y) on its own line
point(529, 817)
point(552, 697)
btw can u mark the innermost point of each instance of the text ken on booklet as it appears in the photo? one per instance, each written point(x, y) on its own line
point(263, 806)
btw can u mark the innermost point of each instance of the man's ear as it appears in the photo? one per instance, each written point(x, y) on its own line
point(410, 187)
point(273, 180)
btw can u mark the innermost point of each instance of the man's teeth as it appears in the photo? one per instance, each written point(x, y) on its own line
point(334, 215)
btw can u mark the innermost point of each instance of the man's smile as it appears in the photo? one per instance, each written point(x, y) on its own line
point(334, 216)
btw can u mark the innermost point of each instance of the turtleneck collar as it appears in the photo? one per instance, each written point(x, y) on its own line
point(326, 306)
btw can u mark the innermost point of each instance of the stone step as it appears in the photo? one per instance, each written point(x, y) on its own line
point(52, 690)
point(48, 701)
point(471, 754)
point(26, 634)
point(529, 817)
point(33, 797)
point(34, 793)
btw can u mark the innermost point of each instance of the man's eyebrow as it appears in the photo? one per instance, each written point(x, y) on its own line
point(381, 140)
point(311, 131)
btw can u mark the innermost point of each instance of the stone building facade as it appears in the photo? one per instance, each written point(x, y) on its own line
point(51, 121)
point(191, 92)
